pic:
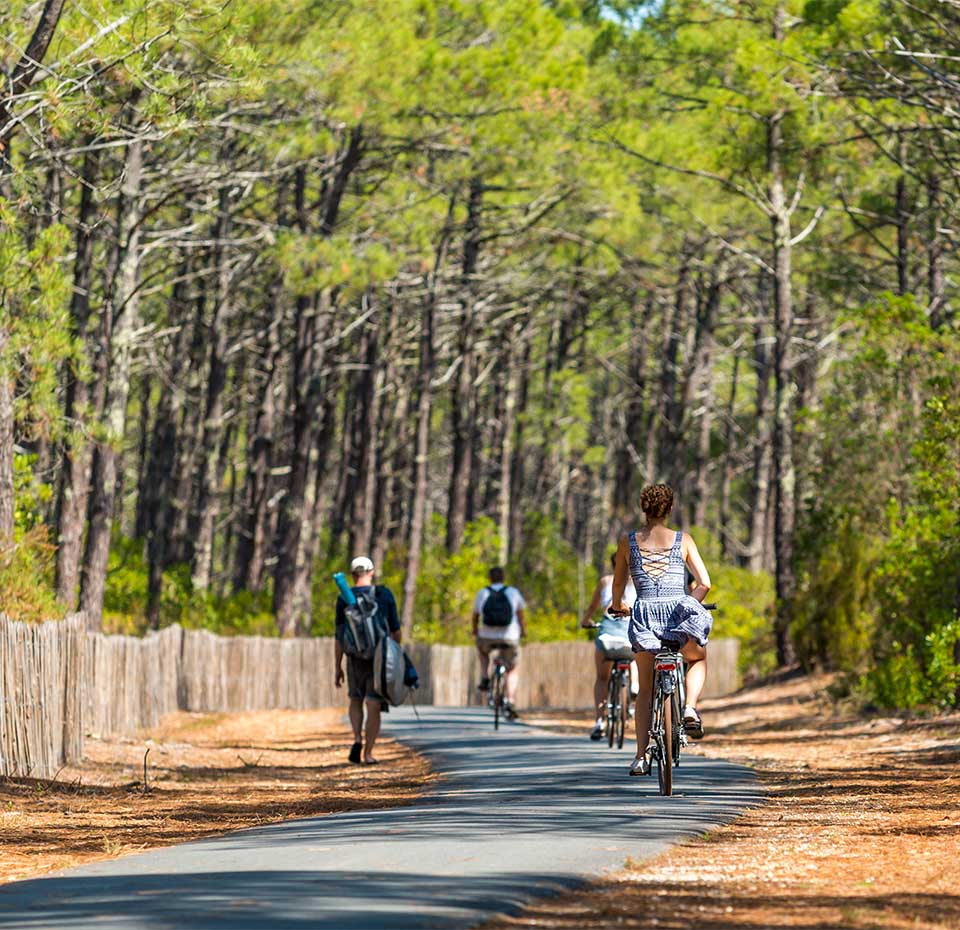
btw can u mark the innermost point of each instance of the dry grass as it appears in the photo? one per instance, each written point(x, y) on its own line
point(206, 774)
point(861, 830)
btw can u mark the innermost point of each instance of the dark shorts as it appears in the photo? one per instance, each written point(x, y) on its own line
point(360, 679)
point(509, 652)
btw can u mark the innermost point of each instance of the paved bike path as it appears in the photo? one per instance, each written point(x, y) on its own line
point(517, 815)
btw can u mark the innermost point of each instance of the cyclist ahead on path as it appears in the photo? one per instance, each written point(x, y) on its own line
point(613, 630)
point(360, 678)
point(654, 557)
point(498, 623)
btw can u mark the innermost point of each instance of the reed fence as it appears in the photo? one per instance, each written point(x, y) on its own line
point(59, 682)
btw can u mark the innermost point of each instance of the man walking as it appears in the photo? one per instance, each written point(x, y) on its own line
point(378, 603)
point(498, 623)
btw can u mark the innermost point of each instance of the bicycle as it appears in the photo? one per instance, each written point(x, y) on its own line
point(498, 688)
point(617, 708)
point(667, 735)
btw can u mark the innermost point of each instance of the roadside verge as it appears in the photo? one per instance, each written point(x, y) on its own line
point(860, 829)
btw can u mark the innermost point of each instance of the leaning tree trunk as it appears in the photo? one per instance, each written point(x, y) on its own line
point(123, 310)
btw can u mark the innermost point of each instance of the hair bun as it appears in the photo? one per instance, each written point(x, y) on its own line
point(656, 500)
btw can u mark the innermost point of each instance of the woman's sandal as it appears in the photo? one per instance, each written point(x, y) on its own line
point(692, 723)
point(640, 766)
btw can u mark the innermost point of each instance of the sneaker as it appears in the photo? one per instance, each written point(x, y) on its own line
point(640, 766)
point(692, 723)
point(484, 684)
point(596, 734)
point(510, 710)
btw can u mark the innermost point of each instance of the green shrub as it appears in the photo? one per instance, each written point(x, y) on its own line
point(26, 578)
point(745, 604)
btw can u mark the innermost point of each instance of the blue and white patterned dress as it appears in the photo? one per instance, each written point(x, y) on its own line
point(663, 609)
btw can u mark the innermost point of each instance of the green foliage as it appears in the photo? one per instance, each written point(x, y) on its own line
point(833, 616)
point(745, 603)
point(26, 576)
point(880, 543)
point(125, 599)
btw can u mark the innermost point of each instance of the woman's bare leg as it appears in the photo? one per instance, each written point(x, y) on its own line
point(696, 656)
point(644, 662)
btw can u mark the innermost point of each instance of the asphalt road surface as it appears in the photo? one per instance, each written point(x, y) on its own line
point(518, 814)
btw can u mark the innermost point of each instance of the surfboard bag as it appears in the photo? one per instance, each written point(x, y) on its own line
point(393, 672)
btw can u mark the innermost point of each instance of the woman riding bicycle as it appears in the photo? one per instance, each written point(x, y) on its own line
point(611, 632)
point(654, 558)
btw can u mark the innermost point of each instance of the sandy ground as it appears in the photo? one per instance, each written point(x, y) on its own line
point(206, 774)
point(861, 828)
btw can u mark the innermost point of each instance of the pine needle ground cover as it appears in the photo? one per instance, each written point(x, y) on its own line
point(861, 828)
point(206, 775)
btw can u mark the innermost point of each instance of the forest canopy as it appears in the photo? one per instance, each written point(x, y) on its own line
point(448, 283)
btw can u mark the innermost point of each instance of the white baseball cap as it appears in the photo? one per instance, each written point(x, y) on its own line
point(361, 564)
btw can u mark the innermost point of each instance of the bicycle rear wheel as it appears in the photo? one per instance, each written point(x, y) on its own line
point(497, 700)
point(609, 722)
point(665, 771)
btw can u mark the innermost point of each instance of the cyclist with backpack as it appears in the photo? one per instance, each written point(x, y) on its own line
point(498, 623)
point(360, 627)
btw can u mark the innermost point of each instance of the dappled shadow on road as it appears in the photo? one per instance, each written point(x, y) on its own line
point(269, 900)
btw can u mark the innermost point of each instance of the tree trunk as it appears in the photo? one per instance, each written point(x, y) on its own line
point(701, 481)
point(902, 221)
point(161, 470)
point(6, 444)
point(463, 413)
point(74, 483)
point(757, 542)
point(518, 465)
point(937, 310)
point(208, 494)
point(418, 507)
point(628, 458)
point(666, 426)
point(727, 534)
point(313, 324)
point(783, 465)
point(118, 342)
point(252, 536)
point(418, 502)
